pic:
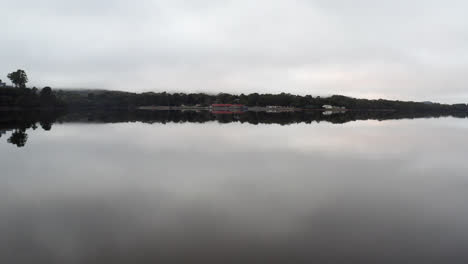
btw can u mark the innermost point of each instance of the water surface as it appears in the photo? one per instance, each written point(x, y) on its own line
point(370, 191)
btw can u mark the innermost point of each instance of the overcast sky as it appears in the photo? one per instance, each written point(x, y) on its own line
point(397, 49)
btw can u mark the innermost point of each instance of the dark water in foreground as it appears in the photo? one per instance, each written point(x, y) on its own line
point(392, 191)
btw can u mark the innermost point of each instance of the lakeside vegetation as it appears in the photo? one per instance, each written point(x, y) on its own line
point(121, 100)
point(21, 97)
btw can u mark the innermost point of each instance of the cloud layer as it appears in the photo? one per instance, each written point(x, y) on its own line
point(415, 50)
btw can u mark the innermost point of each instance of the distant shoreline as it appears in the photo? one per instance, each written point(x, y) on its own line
point(19, 99)
point(252, 109)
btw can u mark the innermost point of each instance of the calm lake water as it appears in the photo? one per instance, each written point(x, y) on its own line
point(371, 191)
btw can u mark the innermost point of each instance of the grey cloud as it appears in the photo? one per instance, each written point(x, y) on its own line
point(397, 49)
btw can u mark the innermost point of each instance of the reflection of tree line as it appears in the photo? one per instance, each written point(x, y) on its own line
point(20, 122)
point(284, 118)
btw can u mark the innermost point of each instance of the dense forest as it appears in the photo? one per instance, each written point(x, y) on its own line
point(121, 100)
point(20, 96)
point(25, 98)
point(89, 99)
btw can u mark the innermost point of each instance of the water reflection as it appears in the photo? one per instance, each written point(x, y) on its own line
point(283, 118)
point(95, 189)
point(20, 122)
point(18, 137)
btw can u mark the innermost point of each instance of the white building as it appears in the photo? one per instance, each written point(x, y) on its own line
point(332, 107)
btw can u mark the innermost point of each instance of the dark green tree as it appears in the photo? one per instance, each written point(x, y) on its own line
point(46, 92)
point(19, 78)
point(47, 97)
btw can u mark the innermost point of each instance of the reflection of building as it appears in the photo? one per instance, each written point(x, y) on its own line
point(331, 109)
point(279, 109)
point(332, 112)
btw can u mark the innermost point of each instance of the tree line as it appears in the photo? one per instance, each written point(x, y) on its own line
point(121, 100)
point(20, 96)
